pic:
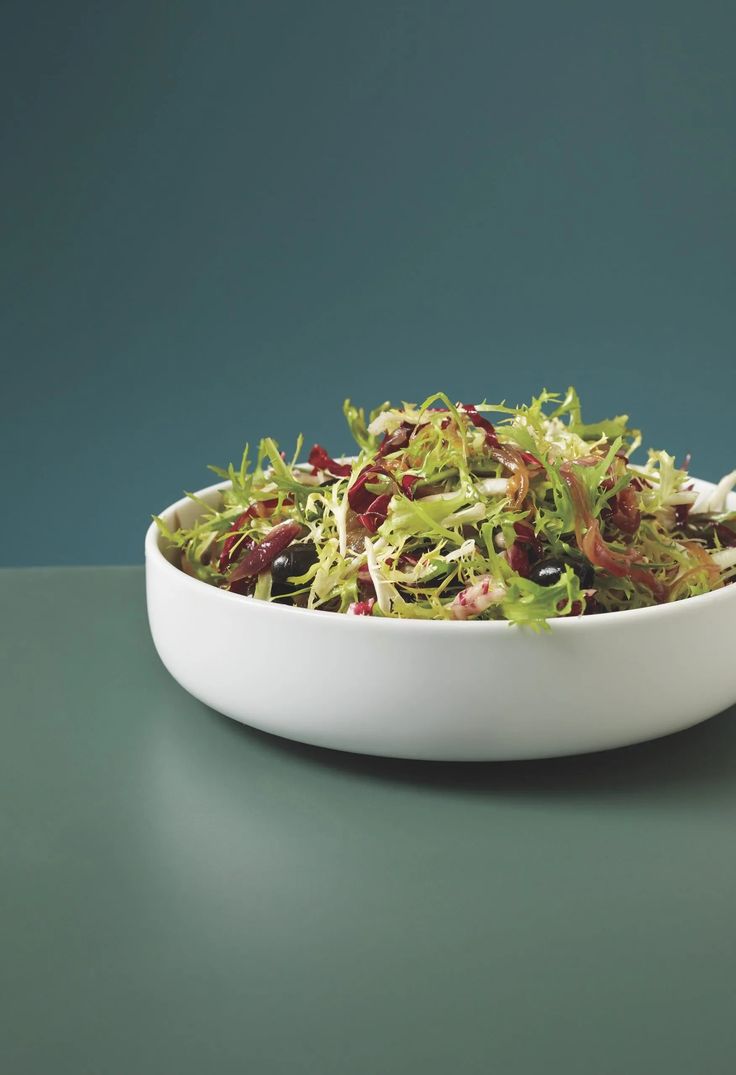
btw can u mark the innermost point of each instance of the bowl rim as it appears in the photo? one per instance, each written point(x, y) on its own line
point(154, 554)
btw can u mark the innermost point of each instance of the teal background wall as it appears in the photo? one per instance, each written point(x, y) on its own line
point(218, 219)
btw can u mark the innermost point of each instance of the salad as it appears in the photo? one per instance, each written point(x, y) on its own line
point(456, 511)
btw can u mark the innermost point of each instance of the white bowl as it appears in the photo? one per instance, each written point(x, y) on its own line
point(440, 690)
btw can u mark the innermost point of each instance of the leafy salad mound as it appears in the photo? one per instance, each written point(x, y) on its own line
point(456, 511)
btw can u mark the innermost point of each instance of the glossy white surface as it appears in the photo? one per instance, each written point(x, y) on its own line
point(418, 689)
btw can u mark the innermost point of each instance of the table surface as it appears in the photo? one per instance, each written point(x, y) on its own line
point(181, 894)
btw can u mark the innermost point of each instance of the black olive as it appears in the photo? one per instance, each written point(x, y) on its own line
point(294, 560)
point(586, 573)
point(549, 572)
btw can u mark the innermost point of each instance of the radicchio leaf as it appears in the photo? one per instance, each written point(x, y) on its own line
point(482, 423)
point(235, 545)
point(359, 497)
point(226, 555)
point(265, 552)
point(518, 559)
point(376, 512)
point(408, 482)
point(394, 442)
point(320, 460)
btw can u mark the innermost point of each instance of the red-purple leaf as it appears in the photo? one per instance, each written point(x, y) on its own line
point(482, 423)
point(376, 513)
point(243, 587)
point(359, 497)
point(260, 508)
point(320, 460)
point(262, 556)
point(518, 559)
point(394, 442)
point(625, 511)
point(525, 533)
point(408, 482)
point(233, 538)
point(577, 608)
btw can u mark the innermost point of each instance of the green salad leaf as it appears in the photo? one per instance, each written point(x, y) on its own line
point(454, 511)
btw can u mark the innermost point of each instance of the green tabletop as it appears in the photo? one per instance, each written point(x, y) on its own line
point(181, 894)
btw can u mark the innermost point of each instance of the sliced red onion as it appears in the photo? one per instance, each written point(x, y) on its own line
point(626, 515)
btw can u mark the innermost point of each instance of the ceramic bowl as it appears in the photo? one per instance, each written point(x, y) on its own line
point(440, 690)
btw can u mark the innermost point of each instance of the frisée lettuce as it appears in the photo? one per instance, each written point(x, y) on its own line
point(455, 511)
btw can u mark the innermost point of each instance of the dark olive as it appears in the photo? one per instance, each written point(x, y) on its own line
point(549, 572)
point(294, 560)
point(586, 573)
